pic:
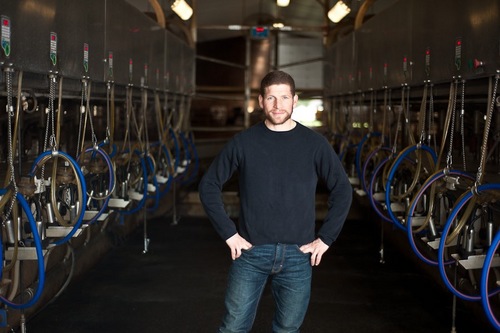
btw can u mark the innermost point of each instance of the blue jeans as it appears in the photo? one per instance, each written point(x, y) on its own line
point(290, 272)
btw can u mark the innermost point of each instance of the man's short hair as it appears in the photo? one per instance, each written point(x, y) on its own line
point(277, 77)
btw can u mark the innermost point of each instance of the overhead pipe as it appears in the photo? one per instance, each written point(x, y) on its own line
point(160, 15)
point(360, 16)
point(189, 32)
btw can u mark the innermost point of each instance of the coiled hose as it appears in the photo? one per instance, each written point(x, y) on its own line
point(82, 187)
point(39, 253)
point(464, 199)
point(431, 182)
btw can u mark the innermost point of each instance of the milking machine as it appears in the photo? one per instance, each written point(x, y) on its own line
point(420, 183)
point(409, 168)
point(94, 162)
point(431, 204)
point(379, 157)
point(372, 141)
point(159, 149)
point(22, 240)
point(70, 171)
point(469, 229)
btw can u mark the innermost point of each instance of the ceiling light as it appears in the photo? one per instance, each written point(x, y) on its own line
point(338, 12)
point(283, 3)
point(181, 8)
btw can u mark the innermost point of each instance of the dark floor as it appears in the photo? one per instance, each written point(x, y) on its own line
point(179, 286)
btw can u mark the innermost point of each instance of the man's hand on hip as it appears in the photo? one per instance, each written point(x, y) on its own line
point(316, 249)
point(237, 243)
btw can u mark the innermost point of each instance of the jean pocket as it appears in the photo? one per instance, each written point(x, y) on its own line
point(247, 250)
point(296, 247)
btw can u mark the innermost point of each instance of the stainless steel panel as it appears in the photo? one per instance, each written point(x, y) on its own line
point(135, 41)
point(73, 22)
point(387, 41)
point(31, 24)
point(342, 66)
point(390, 49)
point(105, 26)
point(80, 23)
point(175, 60)
point(438, 25)
point(189, 73)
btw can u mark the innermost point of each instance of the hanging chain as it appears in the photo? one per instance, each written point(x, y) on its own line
point(81, 123)
point(145, 118)
point(399, 126)
point(108, 115)
point(373, 110)
point(422, 114)
point(389, 108)
point(87, 107)
point(487, 126)
point(406, 111)
point(430, 116)
point(126, 137)
point(462, 124)
point(382, 141)
point(50, 125)
point(449, 157)
point(10, 115)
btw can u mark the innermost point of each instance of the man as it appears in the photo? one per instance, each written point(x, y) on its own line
point(279, 162)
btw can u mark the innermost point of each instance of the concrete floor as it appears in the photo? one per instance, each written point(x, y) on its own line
point(178, 286)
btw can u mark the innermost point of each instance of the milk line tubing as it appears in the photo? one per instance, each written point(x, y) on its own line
point(8, 202)
point(443, 186)
point(182, 139)
point(416, 165)
point(378, 181)
point(380, 156)
point(66, 187)
point(365, 147)
point(149, 158)
point(489, 271)
point(401, 126)
point(39, 252)
point(51, 153)
point(163, 155)
point(477, 215)
point(380, 151)
point(60, 196)
point(10, 178)
point(133, 162)
point(94, 160)
point(13, 193)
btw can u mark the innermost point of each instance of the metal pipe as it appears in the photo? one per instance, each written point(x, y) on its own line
point(360, 16)
point(247, 82)
point(221, 62)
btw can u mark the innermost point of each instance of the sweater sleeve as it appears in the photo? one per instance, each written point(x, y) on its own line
point(339, 189)
point(210, 189)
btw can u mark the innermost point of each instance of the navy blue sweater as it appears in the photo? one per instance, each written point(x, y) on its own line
point(278, 174)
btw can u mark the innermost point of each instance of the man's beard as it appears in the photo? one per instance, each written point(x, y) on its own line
point(274, 122)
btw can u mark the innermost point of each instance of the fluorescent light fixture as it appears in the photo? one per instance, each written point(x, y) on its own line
point(283, 3)
point(181, 8)
point(338, 12)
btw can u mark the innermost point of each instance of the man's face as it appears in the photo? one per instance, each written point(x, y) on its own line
point(278, 103)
